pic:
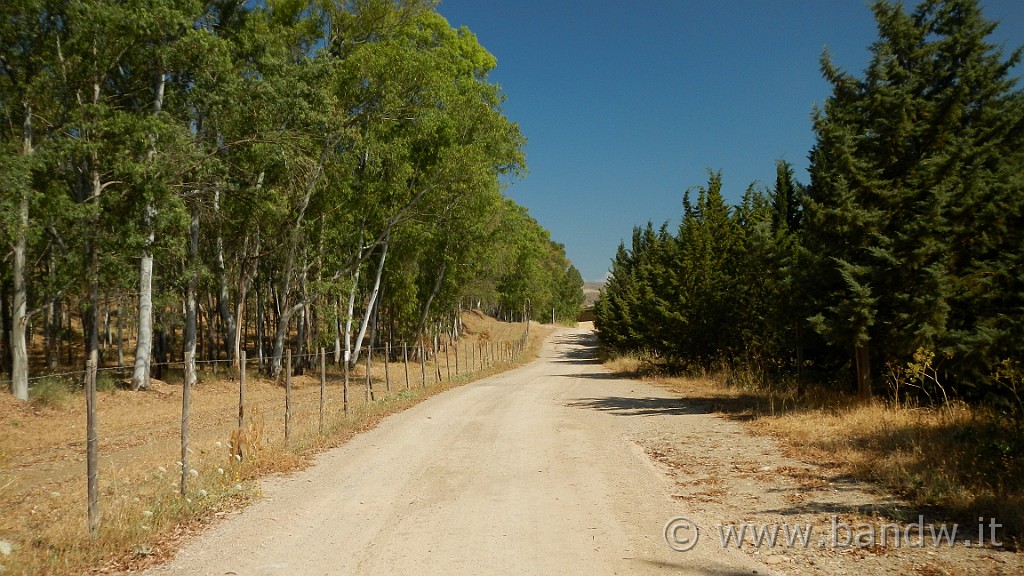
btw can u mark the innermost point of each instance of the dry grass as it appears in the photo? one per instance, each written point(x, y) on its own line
point(954, 460)
point(42, 454)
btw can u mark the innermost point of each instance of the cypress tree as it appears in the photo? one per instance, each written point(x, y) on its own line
point(912, 191)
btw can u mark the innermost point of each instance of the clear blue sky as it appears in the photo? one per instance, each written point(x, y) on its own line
point(626, 105)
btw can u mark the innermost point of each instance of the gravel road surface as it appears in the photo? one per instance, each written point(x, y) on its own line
point(540, 470)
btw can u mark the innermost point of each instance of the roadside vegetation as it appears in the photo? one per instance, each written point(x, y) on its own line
point(144, 516)
point(181, 177)
point(875, 316)
point(952, 461)
point(187, 184)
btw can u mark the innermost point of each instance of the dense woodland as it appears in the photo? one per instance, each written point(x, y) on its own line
point(898, 269)
point(218, 176)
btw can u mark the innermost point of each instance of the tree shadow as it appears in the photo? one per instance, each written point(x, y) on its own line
point(583, 351)
point(650, 406)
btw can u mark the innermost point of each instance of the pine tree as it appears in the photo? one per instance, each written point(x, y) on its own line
point(908, 159)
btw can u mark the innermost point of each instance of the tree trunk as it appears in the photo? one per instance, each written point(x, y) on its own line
point(120, 334)
point(337, 331)
point(260, 334)
point(286, 309)
point(54, 316)
point(421, 331)
point(190, 298)
point(160, 347)
point(299, 366)
point(227, 320)
point(19, 308)
point(5, 328)
point(352, 302)
point(371, 304)
point(144, 343)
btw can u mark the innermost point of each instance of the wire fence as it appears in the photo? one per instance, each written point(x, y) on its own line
point(267, 359)
point(376, 372)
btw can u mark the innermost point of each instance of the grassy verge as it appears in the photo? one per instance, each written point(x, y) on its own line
point(43, 528)
point(953, 460)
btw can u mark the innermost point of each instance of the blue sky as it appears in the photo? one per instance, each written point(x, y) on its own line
point(626, 105)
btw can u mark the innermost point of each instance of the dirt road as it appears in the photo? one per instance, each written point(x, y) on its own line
point(528, 472)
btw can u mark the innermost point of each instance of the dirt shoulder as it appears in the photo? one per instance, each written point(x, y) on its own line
point(732, 477)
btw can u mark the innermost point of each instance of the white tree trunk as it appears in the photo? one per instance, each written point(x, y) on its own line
point(19, 311)
point(144, 343)
point(369, 306)
point(352, 304)
point(286, 309)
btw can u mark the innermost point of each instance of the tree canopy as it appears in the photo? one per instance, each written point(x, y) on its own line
point(905, 244)
point(266, 163)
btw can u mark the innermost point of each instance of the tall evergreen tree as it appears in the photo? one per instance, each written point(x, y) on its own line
point(908, 161)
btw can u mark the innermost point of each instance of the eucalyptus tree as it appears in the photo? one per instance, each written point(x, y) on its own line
point(27, 68)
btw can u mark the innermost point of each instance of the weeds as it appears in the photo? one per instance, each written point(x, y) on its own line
point(51, 392)
point(143, 516)
point(940, 453)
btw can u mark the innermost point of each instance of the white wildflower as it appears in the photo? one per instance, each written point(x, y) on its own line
point(192, 472)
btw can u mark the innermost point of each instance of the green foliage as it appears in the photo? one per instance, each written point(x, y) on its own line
point(307, 137)
point(907, 240)
point(716, 291)
point(910, 194)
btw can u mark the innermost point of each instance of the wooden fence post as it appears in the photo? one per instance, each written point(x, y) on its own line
point(92, 444)
point(344, 389)
point(437, 359)
point(323, 386)
point(241, 389)
point(186, 399)
point(405, 360)
point(387, 375)
point(423, 365)
point(369, 380)
point(288, 396)
point(447, 363)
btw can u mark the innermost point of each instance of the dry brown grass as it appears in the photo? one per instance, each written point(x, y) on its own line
point(42, 455)
point(955, 459)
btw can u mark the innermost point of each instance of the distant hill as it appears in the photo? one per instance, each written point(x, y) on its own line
point(590, 291)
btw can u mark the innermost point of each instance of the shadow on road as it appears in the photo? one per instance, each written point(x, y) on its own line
point(624, 406)
point(583, 351)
